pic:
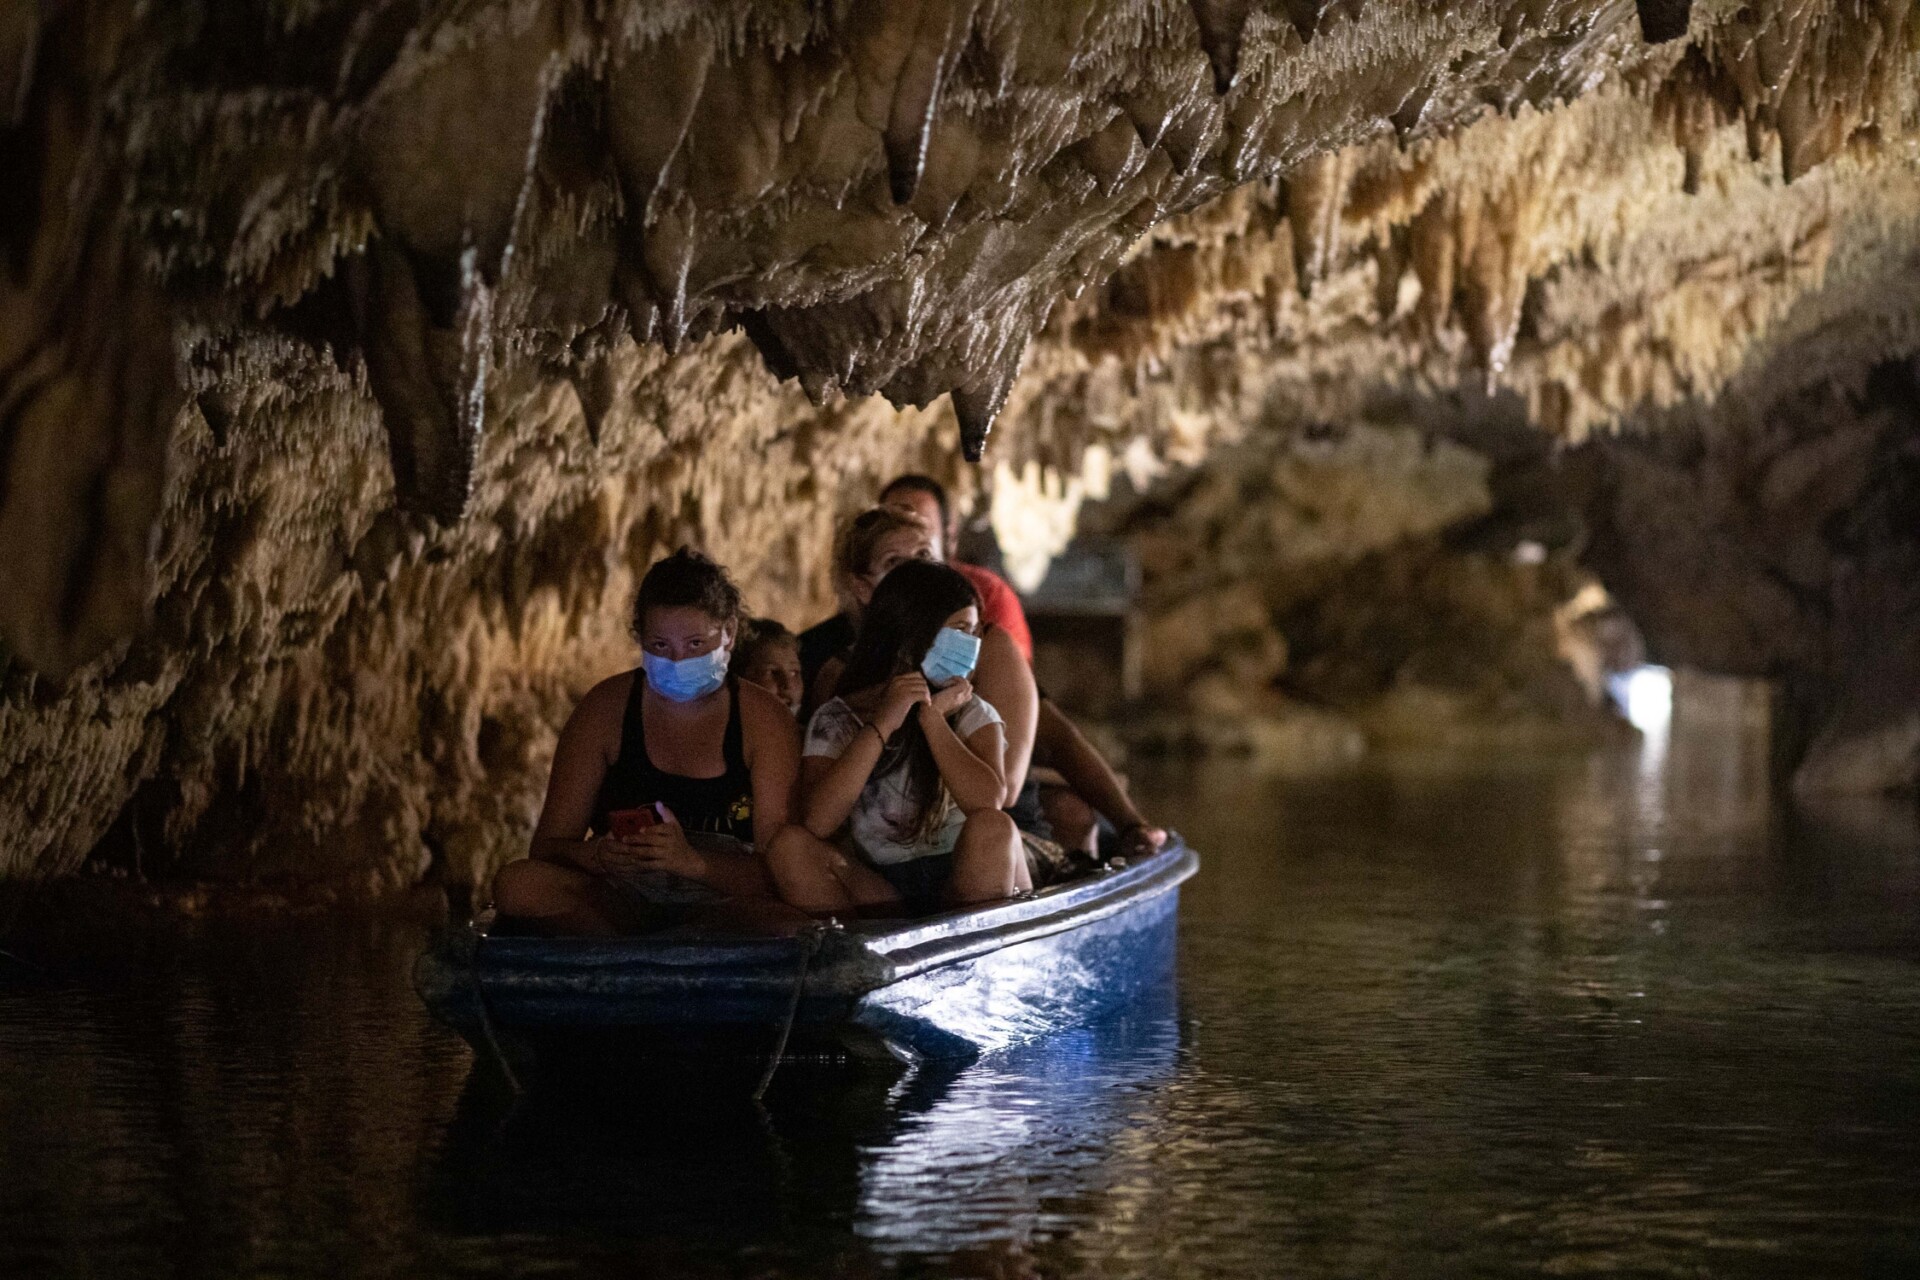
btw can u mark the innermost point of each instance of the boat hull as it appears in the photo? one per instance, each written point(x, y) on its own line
point(1028, 989)
point(950, 986)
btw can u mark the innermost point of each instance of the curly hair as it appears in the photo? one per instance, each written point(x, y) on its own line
point(687, 578)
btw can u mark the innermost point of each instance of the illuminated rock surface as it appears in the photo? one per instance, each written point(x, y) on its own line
point(353, 356)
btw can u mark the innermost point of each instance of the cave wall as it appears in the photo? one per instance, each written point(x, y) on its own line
point(335, 692)
point(1781, 541)
point(1323, 589)
point(1706, 357)
point(354, 356)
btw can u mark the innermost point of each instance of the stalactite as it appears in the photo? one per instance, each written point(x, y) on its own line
point(430, 379)
point(398, 257)
point(1222, 23)
point(87, 379)
point(1306, 15)
point(977, 402)
point(1315, 190)
point(936, 40)
point(1664, 20)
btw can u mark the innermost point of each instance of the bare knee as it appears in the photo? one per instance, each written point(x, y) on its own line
point(990, 827)
point(793, 850)
point(1075, 824)
point(991, 840)
point(528, 887)
point(818, 877)
point(801, 866)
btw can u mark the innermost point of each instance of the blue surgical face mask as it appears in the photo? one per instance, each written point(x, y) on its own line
point(687, 679)
point(951, 657)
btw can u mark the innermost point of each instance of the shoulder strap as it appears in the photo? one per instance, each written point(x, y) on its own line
point(633, 730)
point(733, 743)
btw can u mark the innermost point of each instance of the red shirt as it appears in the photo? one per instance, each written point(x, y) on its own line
point(999, 606)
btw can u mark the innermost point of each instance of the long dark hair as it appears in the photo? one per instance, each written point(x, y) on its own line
point(898, 627)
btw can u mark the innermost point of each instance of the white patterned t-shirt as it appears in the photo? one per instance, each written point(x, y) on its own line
point(886, 806)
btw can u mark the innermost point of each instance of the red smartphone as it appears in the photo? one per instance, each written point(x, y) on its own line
point(631, 822)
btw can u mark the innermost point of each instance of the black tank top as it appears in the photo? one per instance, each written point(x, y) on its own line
point(716, 806)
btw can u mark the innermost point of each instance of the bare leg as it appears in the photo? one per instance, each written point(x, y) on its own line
point(1062, 745)
point(821, 879)
point(556, 899)
point(989, 862)
point(1075, 825)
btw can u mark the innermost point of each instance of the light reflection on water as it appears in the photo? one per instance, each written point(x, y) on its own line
point(1553, 1014)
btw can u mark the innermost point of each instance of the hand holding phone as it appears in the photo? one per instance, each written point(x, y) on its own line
point(628, 823)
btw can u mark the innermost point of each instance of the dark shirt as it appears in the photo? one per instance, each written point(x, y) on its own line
point(715, 806)
point(821, 642)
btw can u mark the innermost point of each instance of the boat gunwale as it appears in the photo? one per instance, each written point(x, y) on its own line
point(856, 956)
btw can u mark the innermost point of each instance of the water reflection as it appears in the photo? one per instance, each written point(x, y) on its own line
point(996, 1154)
point(1476, 1016)
point(216, 1101)
point(956, 1162)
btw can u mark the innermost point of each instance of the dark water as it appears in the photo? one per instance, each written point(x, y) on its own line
point(1559, 1015)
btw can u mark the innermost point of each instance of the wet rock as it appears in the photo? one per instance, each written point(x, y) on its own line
point(450, 291)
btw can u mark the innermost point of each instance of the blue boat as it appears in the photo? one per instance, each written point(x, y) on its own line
point(943, 987)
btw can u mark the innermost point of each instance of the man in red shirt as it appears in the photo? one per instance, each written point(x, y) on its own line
point(999, 606)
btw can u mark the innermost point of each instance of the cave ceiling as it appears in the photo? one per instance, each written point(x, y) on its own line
point(212, 207)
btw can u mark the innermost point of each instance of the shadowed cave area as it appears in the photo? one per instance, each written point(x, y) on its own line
point(356, 357)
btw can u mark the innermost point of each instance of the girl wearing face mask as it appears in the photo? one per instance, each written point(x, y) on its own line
point(709, 763)
point(871, 546)
point(905, 761)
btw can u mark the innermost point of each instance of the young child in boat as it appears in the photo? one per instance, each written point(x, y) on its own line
point(767, 654)
point(665, 778)
point(905, 758)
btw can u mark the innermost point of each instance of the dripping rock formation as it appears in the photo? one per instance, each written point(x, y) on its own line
point(356, 354)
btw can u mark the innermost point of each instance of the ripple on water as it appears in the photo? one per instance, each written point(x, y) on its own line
point(1554, 1016)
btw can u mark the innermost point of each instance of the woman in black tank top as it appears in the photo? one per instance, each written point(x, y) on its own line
point(721, 806)
point(712, 763)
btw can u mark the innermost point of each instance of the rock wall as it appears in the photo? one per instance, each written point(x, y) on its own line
point(332, 691)
point(1697, 362)
point(354, 356)
point(1781, 540)
point(1326, 588)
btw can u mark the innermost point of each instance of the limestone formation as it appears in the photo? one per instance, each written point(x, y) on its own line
point(1374, 577)
point(355, 355)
